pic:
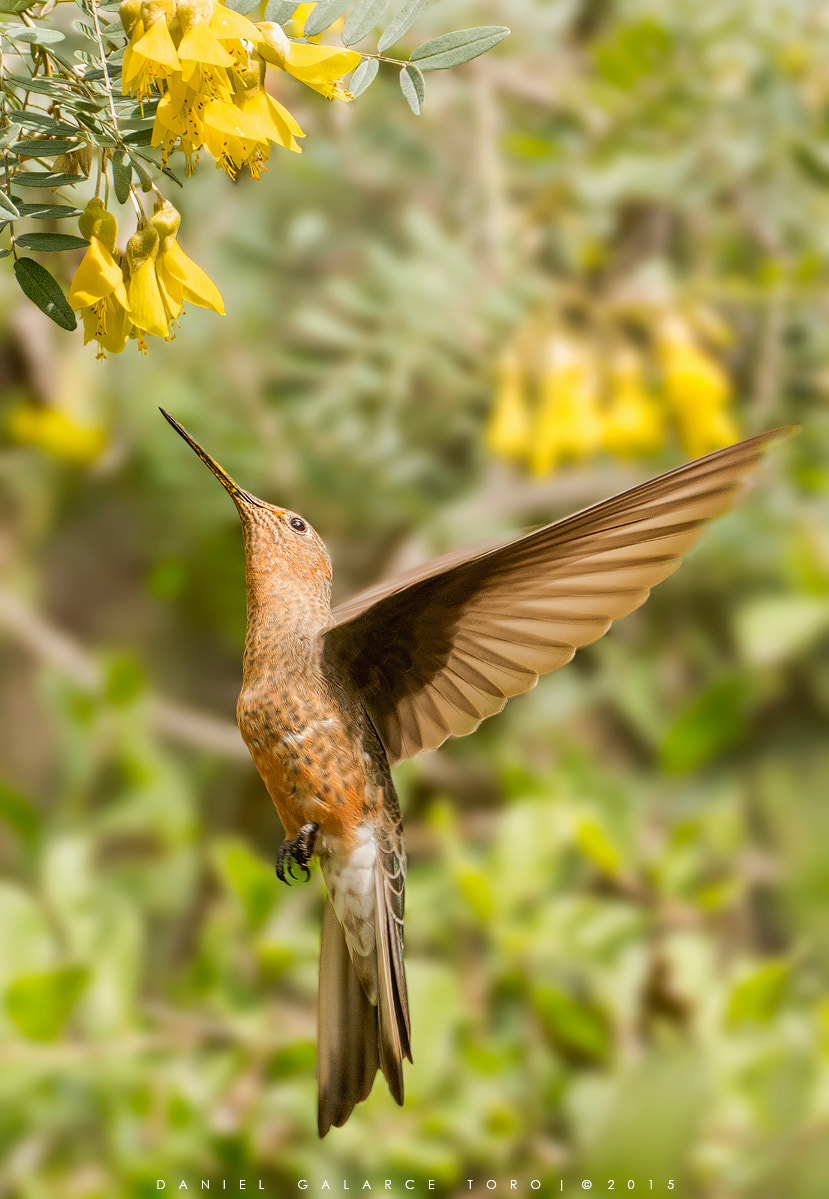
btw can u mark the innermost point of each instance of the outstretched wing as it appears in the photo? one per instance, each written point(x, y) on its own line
point(435, 651)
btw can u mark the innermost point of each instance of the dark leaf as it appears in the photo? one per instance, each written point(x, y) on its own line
point(51, 242)
point(48, 212)
point(8, 206)
point(46, 179)
point(44, 291)
point(121, 175)
point(44, 147)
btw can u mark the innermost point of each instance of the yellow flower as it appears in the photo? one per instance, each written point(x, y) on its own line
point(569, 423)
point(508, 431)
point(151, 57)
point(234, 139)
point(632, 420)
point(146, 304)
point(319, 67)
point(199, 46)
point(97, 290)
point(697, 388)
point(269, 118)
point(179, 278)
point(56, 432)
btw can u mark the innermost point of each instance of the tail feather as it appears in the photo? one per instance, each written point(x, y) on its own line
point(348, 1043)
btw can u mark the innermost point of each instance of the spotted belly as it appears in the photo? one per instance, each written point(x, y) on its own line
point(313, 774)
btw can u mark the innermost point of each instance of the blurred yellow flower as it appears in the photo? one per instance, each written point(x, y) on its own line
point(569, 422)
point(319, 67)
point(507, 433)
point(97, 290)
point(179, 278)
point(56, 432)
point(631, 420)
point(696, 387)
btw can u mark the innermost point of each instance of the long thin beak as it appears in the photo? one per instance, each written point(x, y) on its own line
point(236, 492)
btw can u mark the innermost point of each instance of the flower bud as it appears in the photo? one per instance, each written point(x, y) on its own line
point(274, 46)
point(130, 14)
point(190, 12)
point(95, 221)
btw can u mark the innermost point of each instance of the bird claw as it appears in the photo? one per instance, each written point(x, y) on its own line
point(299, 851)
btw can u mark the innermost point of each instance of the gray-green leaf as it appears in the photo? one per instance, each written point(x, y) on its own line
point(51, 242)
point(46, 179)
point(48, 212)
point(241, 6)
point(8, 135)
point(451, 49)
point(43, 147)
point(35, 37)
point(323, 15)
point(413, 87)
point(280, 11)
point(362, 18)
point(44, 291)
point(121, 175)
point(363, 76)
point(402, 23)
point(8, 206)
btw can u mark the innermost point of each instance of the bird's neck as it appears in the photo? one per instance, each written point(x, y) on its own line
point(286, 615)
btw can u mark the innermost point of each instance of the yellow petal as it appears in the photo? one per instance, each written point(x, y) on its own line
point(157, 46)
point(227, 24)
point(97, 276)
point(199, 45)
point(146, 303)
point(197, 286)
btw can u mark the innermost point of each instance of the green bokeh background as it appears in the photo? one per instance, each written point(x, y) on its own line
point(619, 889)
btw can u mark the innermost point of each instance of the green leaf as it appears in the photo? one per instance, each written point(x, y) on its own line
point(140, 137)
point(44, 291)
point(39, 120)
point(450, 49)
point(758, 996)
point(7, 205)
point(242, 6)
point(362, 18)
point(402, 23)
point(813, 160)
point(248, 877)
point(35, 37)
point(714, 721)
point(574, 1028)
point(363, 76)
point(125, 679)
point(18, 813)
point(279, 11)
point(50, 242)
point(46, 179)
point(48, 212)
point(322, 15)
point(121, 175)
point(15, 5)
point(44, 147)
point(413, 87)
point(40, 1004)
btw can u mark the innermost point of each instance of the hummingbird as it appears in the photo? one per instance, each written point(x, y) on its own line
point(331, 699)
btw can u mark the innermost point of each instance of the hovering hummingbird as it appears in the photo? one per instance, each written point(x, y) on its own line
point(331, 700)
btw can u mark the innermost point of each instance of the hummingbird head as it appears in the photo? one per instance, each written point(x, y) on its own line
point(286, 557)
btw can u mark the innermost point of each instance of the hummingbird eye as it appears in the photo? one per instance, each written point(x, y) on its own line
point(298, 524)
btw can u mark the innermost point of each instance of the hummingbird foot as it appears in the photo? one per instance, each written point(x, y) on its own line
point(298, 850)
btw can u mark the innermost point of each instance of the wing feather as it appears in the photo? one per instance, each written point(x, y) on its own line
point(436, 650)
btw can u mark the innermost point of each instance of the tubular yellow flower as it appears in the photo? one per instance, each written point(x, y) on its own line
point(152, 59)
point(234, 139)
point(569, 423)
point(507, 433)
point(198, 45)
point(269, 118)
point(97, 290)
point(319, 67)
point(179, 278)
point(632, 420)
point(146, 304)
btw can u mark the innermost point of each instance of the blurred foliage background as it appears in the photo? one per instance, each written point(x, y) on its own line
point(601, 249)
